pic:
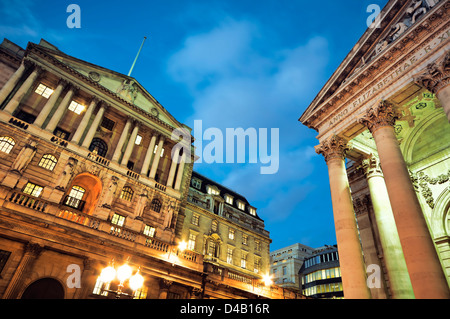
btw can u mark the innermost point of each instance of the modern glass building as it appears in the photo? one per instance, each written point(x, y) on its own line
point(321, 275)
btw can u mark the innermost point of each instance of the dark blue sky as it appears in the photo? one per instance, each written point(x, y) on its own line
point(231, 64)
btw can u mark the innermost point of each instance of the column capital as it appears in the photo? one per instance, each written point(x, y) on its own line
point(371, 166)
point(334, 147)
point(436, 75)
point(380, 115)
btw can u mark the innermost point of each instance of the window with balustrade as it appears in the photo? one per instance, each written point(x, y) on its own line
point(99, 146)
point(75, 197)
point(48, 161)
point(6, 144)
point(33, 189)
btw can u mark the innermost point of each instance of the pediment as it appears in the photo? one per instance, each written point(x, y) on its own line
point(125, 87)
point(397, 17)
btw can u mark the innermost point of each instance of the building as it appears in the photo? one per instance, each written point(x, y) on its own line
point(87, 183)
point(285, 264)
point(383, 127)
point(320, 274)
point(221, 225)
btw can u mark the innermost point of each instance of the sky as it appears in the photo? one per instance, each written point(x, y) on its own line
point(231, 64)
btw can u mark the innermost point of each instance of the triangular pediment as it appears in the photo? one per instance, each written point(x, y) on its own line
point(125, 87)
point(395, 19)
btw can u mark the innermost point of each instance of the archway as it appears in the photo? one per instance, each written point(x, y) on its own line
point(92, 189)
point(45, 288)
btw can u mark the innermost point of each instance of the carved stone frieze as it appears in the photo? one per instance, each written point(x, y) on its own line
point(334, 147)
point(379, 115)
point(436, 75)
point(422, 180)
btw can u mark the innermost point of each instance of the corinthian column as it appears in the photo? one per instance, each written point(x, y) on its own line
point(390, 242)
point(84, 122)
point(57, 116)
point(50, 104)
point(93, 128)
point(425, 271)
point(350, 253)
point(130, 145)
point(436, 79)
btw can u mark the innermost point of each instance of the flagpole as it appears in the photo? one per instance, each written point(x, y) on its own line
point(134, 62)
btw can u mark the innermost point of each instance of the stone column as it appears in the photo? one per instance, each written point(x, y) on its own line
point(148, 156)
point(122, 140)
point(12, 82)
point(24, 88)
point(93, 128)
point(393, 254)
point(350, 254)
point(84, 122)
point(425, 271)
point(57, 116)
point(173, 166)
point(50, 104)
point(180, 172)
point(31, 252)
point(436, 79)
point(130, 145)
point(157, 157)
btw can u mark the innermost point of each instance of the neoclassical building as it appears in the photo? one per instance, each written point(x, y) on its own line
point(383, 128)
point(88, 179)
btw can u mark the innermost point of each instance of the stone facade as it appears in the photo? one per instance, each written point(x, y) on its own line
point(88, 179)
point(385, 111)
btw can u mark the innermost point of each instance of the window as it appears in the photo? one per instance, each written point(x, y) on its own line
point(244, 239)
point(63, 134)
point(191, 241)
point(257, 245)
point(257, 266)
point(212, 248)
point(156, 148)
point(284, 270)
point(231, 234)
point(76, 107)
point(156, 205)
point(127, 193)
point(118, 220)
point(99, 146)
point(195, 219)
point(74, 199)
point(149, 231)
point(229, 199)
point(107, 123)
point(230, 255)
point(138, 140)
point(141, 293)
point(241, 205)
point(4, 256)
point(213, 190)
point(33, 189)
point(44, 90)
point(6, 144)
point(196, 183)
point(48, 161)
point(243, 260)
point(252, 211)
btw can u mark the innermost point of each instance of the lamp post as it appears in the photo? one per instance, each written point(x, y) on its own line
point(123, 273)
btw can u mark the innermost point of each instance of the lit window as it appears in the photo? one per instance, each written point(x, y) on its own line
point(244, 260)
point(214, 225)
point(33, 189)
point(257, 266)
point(191, 242)
point(76, 107)
point(213, 191)
point(48, 161)
point(138, 140)
point(257, 246)
point(252, 211)
point(156, 149)
point(241, 205)
point(75, 197)
point(44, 90)
point(230, 255)
point(149, 231)
point(127, 193)
point(229, 199)
point(244, 239)
point(6, 144)
point(118, 220)
point(195, 219)
point(231, 234)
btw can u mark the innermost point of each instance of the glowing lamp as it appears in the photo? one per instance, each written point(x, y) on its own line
point(267, 279)
point(137, 281)
point(124, 272)
point(108, 274)
point(182, 246)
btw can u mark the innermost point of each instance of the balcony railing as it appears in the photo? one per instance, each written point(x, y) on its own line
point(74, 202)
point(28, 201)
point(79, 218)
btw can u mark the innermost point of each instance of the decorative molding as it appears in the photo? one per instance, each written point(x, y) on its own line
point(422, 180)
point(334, 147)
point(436, 75)
point(379, 115)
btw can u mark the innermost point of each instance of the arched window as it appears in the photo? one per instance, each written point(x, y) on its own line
point(99, 146)
point(155, 205)
point(6, 144)
point(127, 193)
point(48, 161)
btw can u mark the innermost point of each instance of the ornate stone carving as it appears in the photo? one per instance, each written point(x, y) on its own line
point(110, 192)
point(334, 147)
point(24, 157)
point(436, 75)
point(128, 90)
point(65, 176)
point(422, 180)
point(379, 115)
point(371, 166)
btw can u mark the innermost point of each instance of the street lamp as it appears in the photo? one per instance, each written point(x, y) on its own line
point(123, 273)
point(267, 279)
